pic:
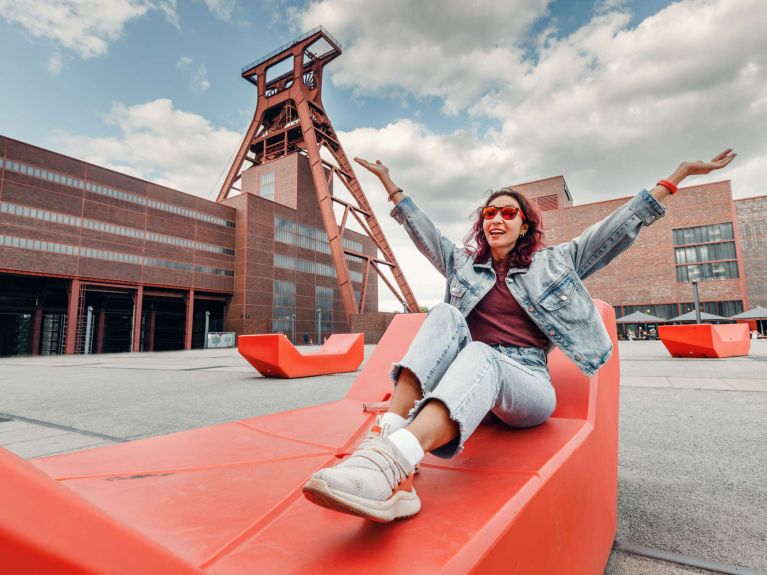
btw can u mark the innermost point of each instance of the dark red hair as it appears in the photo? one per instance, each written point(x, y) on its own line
point(522, 254)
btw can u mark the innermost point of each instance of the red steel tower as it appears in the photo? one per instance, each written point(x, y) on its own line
point(290, 119)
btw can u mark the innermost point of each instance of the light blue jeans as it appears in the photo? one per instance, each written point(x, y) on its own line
point(473, 378)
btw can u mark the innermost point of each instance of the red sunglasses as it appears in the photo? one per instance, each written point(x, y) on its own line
point(507, 212)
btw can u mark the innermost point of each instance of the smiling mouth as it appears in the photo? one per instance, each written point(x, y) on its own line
point(496, 233)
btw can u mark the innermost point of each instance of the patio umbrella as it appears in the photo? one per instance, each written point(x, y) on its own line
point(639, 317)
point(758, 312)
point(689, 317)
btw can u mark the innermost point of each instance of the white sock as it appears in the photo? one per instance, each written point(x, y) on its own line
point(394, 420)
point(408, 445)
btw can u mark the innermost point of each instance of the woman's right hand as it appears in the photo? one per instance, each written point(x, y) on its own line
point(377, 168)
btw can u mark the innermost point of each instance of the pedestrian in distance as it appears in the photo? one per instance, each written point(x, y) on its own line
point(509, 300)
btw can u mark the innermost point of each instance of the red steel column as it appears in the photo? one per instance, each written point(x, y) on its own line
point(189, 320)
point(72, 313)
point(37, 324)
point(137, 319)
point(152, 318)
point(100, 332)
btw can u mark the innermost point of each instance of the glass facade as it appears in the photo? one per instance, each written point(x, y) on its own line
point(70, 250)
point(299, 265)
point(671, 310)
point(705, 253)
point(296, 234)
point(99, 226)
point(96, 188)
point(266, 186)
point(284, 307)
point(323, 299)
point(723, 308)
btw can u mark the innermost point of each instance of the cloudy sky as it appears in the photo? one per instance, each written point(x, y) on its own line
point(457, 97)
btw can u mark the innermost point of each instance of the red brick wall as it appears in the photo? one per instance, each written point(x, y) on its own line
point(646, 273)
point(752, 219)
point(251, 307)
point(51, 196)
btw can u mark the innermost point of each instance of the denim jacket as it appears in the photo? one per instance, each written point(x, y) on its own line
point(551, 290)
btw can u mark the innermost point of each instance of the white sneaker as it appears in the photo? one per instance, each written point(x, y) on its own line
point(375, 482)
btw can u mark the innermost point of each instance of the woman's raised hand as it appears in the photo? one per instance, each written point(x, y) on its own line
point(377, 168)
point(717, 163)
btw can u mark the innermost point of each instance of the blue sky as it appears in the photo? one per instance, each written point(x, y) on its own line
point(457, 97)
point(142, 64)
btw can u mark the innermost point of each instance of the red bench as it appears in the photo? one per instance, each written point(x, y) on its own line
point(227, 498)
point(273, 355)
point(706, 340)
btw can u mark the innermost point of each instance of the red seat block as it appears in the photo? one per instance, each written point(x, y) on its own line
point(706, 340)
point(273, 355)
point(227, 499)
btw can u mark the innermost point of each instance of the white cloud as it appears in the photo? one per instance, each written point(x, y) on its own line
point(453, 49)
point(55, 64)
point(222, 9)
point(611, 108)
point(85, 27)
point(184, 62)
point(199, 79)
point(160, 143)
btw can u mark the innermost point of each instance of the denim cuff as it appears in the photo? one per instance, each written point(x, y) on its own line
point(402, 210)
point(647, 207)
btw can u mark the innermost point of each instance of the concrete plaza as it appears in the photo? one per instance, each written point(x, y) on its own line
point(692, 465)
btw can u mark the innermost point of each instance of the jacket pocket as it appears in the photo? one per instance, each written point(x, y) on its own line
point(457, 291)
point(568, 301)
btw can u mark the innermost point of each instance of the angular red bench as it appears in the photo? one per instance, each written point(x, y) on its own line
point(273, 355)
point(706, 340)
point(227, 498)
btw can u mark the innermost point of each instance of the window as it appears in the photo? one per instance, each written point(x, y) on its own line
point(266, 186)
point(705, 253)
point(284, 307)
point(323, 301)
point(137, 199)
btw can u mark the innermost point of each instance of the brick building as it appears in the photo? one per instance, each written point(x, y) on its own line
point(125, 264)
point(705, 234)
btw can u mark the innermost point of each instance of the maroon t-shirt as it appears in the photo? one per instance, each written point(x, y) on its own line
point(499, 319)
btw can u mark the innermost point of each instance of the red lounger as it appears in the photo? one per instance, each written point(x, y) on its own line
point(706, 340)
point(227, 498)
point(273, 355)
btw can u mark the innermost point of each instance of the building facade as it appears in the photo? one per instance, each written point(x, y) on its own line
point(92, 260)
point(705, 235)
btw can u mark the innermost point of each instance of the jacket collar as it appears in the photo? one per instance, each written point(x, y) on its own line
point(487, 265)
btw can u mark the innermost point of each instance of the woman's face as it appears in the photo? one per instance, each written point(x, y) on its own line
point(501, 235)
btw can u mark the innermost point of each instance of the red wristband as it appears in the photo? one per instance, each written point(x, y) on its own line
point(669, 186)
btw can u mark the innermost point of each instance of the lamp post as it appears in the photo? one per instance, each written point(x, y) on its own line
point(319, 326)
point(696, 300)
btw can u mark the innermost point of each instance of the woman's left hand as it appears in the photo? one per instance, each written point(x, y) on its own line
point(717, 163)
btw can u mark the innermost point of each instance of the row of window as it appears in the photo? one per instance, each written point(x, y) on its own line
point(65, 219)
point(284, 306)
point(703, 234)
point(723, 308)
point(35, 172)
point(297, 234)
point(705, 253)
point(266, 186)
point(663, 310)
point(69, 250)
point(299, 265)
point(284, 302)
point(712, 271)
point(672, 310)
point(323, 297)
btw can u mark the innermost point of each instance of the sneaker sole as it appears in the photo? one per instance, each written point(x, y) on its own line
point(401, 505)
